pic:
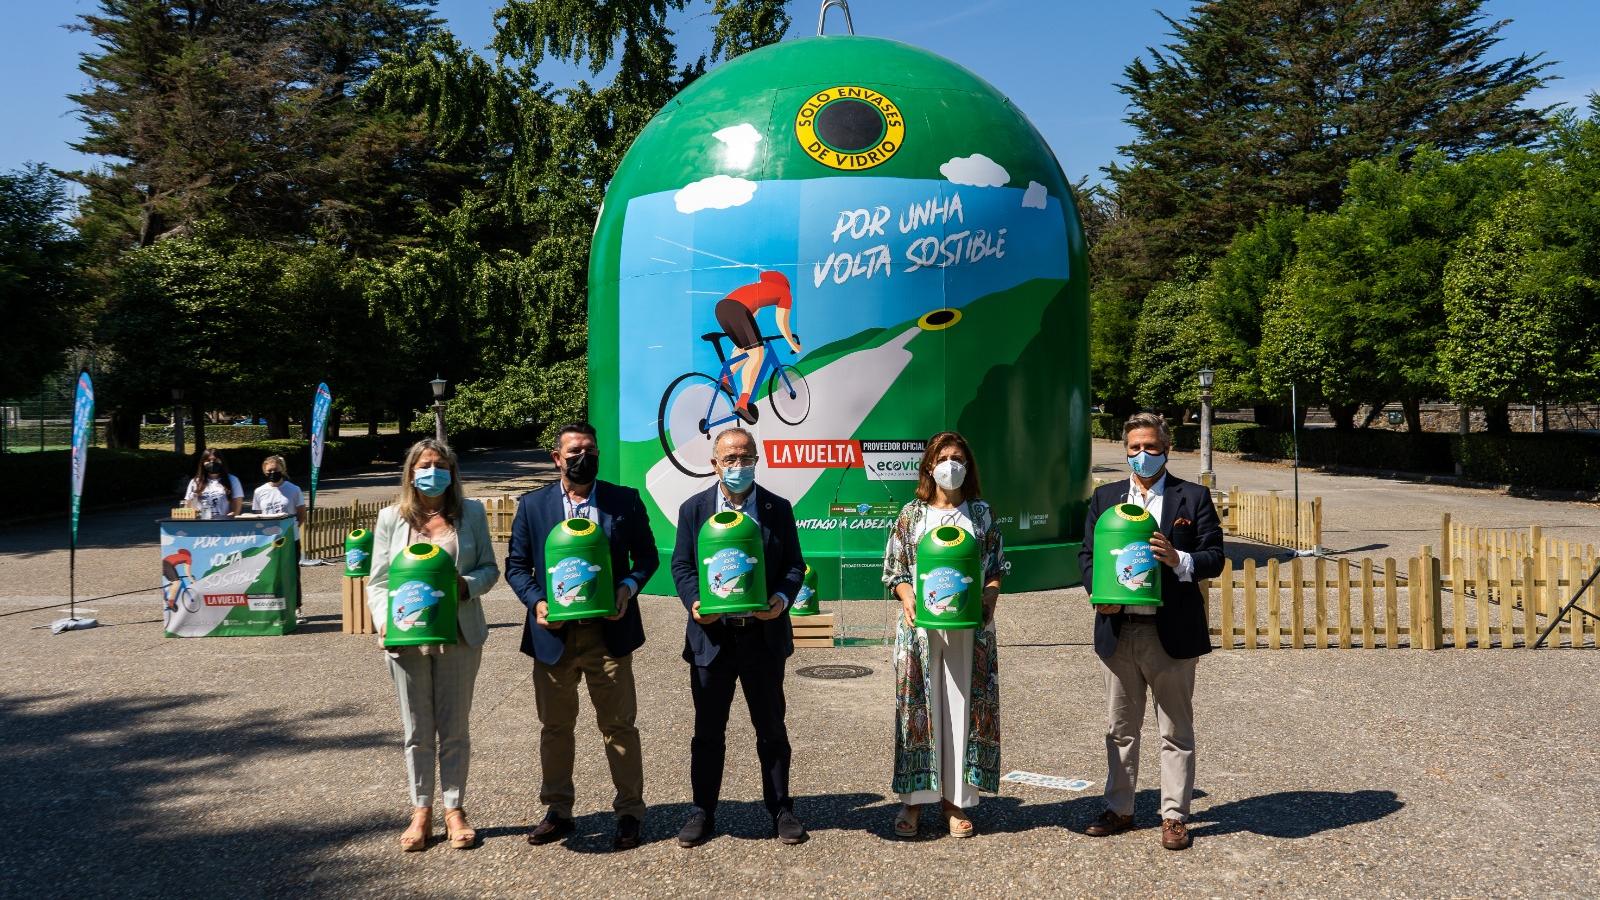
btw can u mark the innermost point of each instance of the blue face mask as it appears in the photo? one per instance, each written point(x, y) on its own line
point(431, 481)
point(739, 478)
point(1147, 465)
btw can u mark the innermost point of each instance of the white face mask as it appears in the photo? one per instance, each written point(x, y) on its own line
point(949, 474)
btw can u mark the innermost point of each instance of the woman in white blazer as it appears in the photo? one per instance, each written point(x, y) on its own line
point(434, 683)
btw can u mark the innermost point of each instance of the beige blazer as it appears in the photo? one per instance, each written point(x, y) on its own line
point(474, 562)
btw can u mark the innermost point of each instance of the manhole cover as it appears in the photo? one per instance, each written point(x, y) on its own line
point(832, 672)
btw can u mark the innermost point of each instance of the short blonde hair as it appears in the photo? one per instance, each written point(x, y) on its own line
point(282, 466)
point(1147, 420)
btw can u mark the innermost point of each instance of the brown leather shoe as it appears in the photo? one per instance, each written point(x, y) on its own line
point(552, 829)
point(1175, 835)
point(1108, 824)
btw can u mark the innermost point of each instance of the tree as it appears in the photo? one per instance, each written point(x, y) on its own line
point(512, 257)
point(1241, 282)
point(1174, 340)
point(1262, 104)
point(1368, 279)
point(41, 290)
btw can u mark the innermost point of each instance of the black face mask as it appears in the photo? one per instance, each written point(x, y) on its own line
point(274, 477)
point(213, 468)
point(583, 468)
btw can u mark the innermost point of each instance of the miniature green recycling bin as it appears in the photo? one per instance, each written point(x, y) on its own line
point(1126, 570)
point(733, 576)
point(949, 579)
point(578, 568)
point(805, 602)
point(358, 553)
point(422, 597)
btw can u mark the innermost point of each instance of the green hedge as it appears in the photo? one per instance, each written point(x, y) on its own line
point(40, 482)
point(157, 435)
point(1559, 461)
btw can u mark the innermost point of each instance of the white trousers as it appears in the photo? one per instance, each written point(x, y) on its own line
point(949, 713)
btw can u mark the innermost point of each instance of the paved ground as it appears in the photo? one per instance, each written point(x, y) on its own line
point(153, 767)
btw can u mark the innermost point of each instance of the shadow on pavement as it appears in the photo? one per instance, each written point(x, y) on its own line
point(150, 796)
point(1296, 814)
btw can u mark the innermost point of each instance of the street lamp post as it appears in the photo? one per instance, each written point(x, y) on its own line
point(1208, 478)
point(177, 421)
point(438, 408)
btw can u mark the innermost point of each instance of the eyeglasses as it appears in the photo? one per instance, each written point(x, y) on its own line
point(738, 460)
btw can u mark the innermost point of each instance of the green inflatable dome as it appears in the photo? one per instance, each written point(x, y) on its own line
point(913, 234)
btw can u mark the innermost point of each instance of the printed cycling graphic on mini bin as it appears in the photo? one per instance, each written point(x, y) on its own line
point(866, 260)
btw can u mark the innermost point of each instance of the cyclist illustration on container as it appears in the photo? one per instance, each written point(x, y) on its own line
point(736, 313)
point(695, 405)
point(177, 572)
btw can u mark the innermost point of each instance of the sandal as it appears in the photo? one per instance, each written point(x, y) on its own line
point(905, 823)
point(960, 825)
point(416, 837)
point(460, 838)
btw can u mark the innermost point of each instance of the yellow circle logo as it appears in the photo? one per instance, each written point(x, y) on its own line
point(849, 127)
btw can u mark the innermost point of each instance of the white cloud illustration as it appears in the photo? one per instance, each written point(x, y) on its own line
point(976, 170)
point(738, 144)
point(1036, 196)
point(716, 192)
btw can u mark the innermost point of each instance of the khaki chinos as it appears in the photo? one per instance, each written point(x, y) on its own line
point(611, 690)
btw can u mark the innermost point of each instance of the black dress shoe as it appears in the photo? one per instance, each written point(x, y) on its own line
point(552, 829)
point(627, 836)
point(788, 826)
point(697, 830)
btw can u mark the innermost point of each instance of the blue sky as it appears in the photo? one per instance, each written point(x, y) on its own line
point(1058, 60)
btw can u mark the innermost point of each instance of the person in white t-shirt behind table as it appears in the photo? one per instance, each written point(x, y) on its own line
point(279, 496)
point(212, 491)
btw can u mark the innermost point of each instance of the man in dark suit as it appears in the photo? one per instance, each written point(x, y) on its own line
point(1158, 649)
point(599, 651)
point(747, 650)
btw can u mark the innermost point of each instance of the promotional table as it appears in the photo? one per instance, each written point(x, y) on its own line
point(229, 577)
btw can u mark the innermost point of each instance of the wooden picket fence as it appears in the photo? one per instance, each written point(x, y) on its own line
point(502, 510)
point(1270, 519)
point(1339, 604)
point(326, 527)
point(1474, 544)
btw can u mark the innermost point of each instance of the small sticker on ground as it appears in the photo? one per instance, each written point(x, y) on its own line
point(1055, 782)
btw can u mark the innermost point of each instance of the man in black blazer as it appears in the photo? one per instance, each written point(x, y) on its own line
point(599, 651)
point(747, 650)
point(1158, 648)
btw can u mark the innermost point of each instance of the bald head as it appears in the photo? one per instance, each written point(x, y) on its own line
point(734, 440)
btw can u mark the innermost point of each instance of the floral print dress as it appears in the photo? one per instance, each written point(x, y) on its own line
point(916, 760)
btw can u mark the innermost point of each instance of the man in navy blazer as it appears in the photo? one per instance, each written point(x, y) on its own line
point(724, 651)
point(599, 651)
point(1158, 648)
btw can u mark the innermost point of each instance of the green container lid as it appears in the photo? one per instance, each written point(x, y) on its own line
point(949, 579)
point(805, 602)
point(733, 575)
point(422, 597)
point(1126, 570)
point(578, 572)
point(358, 553)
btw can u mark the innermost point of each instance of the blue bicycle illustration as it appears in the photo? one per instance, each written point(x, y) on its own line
point(695, 405)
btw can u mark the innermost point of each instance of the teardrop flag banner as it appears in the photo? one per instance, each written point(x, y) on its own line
point(82, 431)
point(319, 428)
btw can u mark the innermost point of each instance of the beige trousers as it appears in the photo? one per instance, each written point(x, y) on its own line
point(611, 690)
point(1139, 663)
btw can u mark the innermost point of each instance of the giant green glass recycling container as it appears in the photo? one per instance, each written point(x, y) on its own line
point(733, 575)
point(920, 239)
point(577, 560)
point(805, 602)
point(358, 553)
point(949, 579)
point(1126, 570)
point(422, 597)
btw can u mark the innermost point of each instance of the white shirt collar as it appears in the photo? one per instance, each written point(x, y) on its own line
point(1159, 489)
